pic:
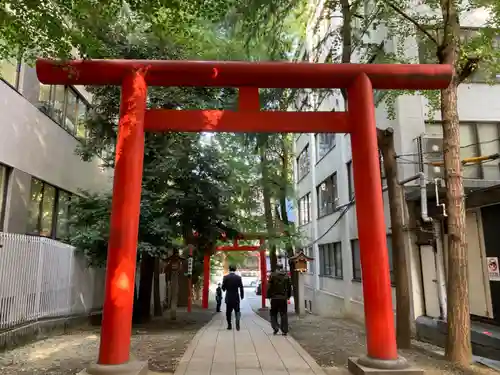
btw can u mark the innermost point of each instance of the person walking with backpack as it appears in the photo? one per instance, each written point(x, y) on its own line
point(279, 290)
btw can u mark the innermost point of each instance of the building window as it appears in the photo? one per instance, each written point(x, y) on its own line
point(43, 198)
point(58, 104)
point(305, 209)
point(327, 196)
point(330, 259)
point(10, 72)
point(66, 107)
point(49, 210)
point(350, 180)
point(476, 139)
point(63, 214)
point(303, 163)
point(4, 175)
point(324, 143)
point(356, 260)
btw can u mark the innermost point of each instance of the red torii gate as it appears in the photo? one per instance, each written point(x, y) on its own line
point(134, 76)
point(237, 247)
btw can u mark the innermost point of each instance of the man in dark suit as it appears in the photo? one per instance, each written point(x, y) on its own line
point(232, 284)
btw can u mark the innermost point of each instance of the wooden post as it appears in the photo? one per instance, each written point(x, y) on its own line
point(399, 251)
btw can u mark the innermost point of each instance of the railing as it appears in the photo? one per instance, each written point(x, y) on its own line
point(42, 278)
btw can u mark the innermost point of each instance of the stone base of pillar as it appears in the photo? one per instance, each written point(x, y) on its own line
point(129, 368)
point(359, 366)
point(263, 308)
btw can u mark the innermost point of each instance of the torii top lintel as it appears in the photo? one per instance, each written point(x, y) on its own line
point(244, 74)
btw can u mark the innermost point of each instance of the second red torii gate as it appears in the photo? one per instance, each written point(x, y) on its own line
point(237, 247)
point(134, 76)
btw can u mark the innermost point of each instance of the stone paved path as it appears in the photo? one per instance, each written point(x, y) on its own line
point(251, 351)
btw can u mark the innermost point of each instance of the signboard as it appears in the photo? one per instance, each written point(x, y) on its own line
point(190, 266)
point(493, 271)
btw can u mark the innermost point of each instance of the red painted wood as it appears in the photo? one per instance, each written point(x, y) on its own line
point(160, 120)
point(377, 291)
point(121, 262)
point(244, 74)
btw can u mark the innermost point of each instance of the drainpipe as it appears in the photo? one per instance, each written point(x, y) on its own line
point(440, 275)
point(423, 198)
point(438, 253)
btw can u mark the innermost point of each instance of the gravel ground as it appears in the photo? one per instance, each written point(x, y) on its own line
point(330, 341)
point(161, 342)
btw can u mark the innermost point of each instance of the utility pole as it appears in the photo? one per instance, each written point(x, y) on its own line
point(399, 254)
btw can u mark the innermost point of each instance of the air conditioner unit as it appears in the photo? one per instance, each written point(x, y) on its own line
point(429, 150)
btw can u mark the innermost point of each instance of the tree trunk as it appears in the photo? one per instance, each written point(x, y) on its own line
point(225, 263)
point(174, 294)
point(156, 289)
point(399, 251)
point(458, 344)
point(268, 211)
point(346, 36)
point(285, 161)
point(145, 288)
point(167, 288)
point(458, 341)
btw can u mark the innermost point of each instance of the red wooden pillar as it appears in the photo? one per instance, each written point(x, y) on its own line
point(125, 209)
point(206, 280)
point(263, 273)
point(377, 293)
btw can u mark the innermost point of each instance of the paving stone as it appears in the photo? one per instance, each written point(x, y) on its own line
point(251, 351)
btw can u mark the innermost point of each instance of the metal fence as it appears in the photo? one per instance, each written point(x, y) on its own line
point(42, 278)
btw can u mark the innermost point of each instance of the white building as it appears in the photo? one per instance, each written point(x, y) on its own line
point(39, 169)
point(323, 180)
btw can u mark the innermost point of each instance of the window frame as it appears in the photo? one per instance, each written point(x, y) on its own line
point(477, 145)
point(5, 172)
point(306, 199)
point(307, 165)
point(17, 80)
point(54, 210)
point(334, 203)
point(350, 180)
point(317, 139)
point(329, 253)
point(49, 109)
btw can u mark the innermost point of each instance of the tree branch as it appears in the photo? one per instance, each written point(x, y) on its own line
point(408, 18)
point(469, 67)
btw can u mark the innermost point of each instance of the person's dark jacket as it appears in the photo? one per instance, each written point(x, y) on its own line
point(232, 284)
point(218, 294)
point(279, 286)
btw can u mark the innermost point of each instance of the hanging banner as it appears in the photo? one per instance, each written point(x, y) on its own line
point(493, 271)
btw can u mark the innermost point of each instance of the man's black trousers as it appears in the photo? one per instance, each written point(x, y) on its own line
point(230, 306)
point(279, 307)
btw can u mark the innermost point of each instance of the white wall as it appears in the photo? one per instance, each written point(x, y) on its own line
point(31, 142)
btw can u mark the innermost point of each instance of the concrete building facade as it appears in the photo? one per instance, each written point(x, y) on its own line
point(39, 169)
point(324, 188)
